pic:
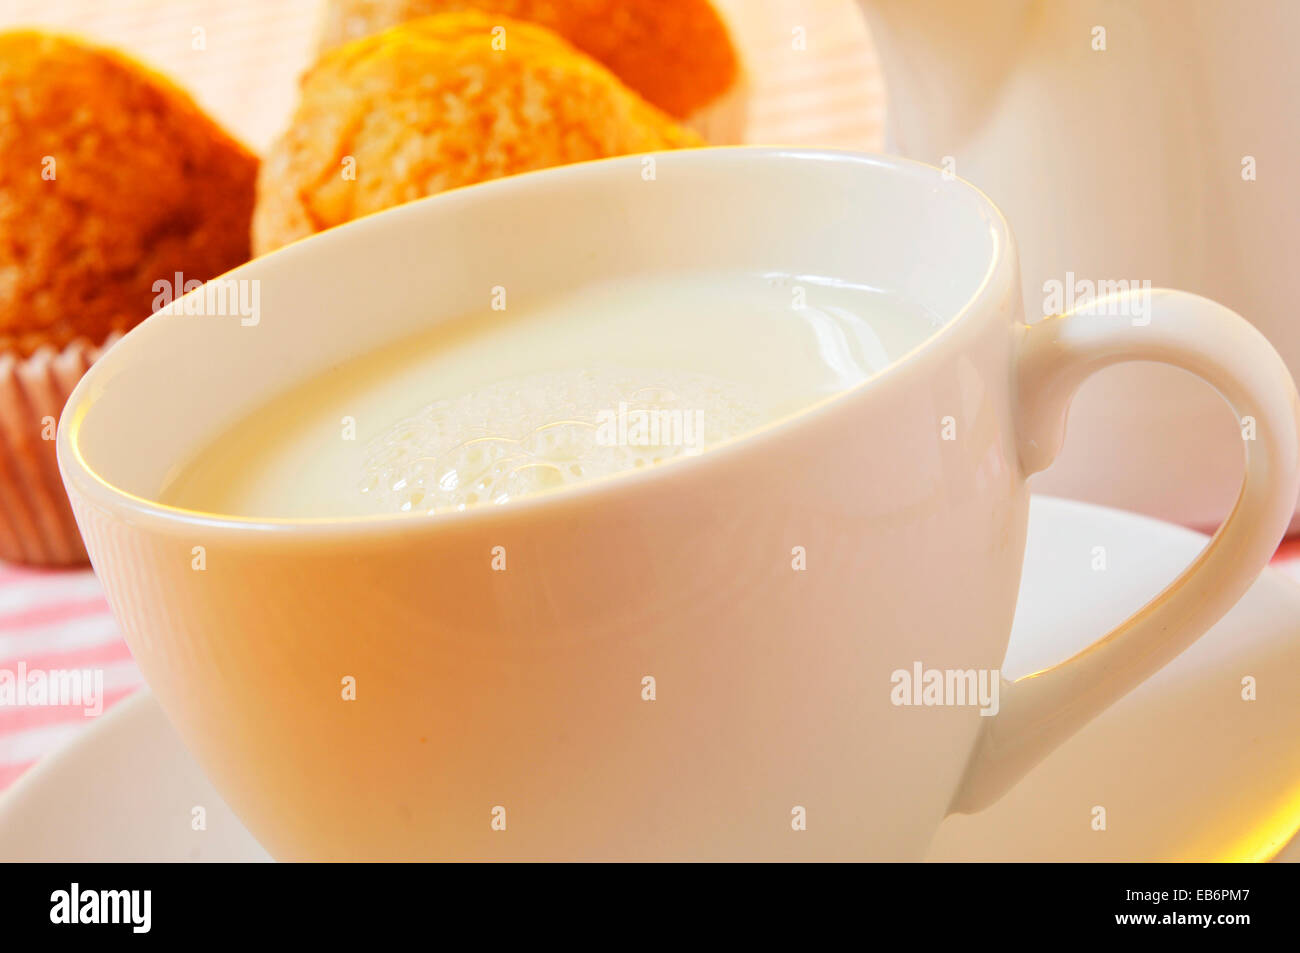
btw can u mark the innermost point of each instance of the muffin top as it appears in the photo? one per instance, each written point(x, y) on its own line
point(441, 102)
point(111, 179)
point(676, 53)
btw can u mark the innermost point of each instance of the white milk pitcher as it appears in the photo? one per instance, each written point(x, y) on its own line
point(1127, 143)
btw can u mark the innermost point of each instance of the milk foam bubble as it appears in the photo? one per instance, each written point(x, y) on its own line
point(525, 435)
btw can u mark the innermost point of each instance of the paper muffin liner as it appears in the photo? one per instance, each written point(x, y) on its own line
point(36, 523)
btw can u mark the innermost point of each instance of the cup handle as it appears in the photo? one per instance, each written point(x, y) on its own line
point(1053, 357)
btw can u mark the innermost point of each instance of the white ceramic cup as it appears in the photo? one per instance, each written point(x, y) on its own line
point(487, 699)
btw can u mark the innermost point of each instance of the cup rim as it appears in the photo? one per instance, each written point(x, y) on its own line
point(83, 480)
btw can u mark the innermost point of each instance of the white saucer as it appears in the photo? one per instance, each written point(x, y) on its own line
point(1185, 769)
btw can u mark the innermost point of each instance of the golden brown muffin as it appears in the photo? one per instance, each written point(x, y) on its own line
point(431, 105)
point(111, 178)
point(676, 53)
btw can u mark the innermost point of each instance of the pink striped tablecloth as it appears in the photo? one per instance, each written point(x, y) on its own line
point(55, 621)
